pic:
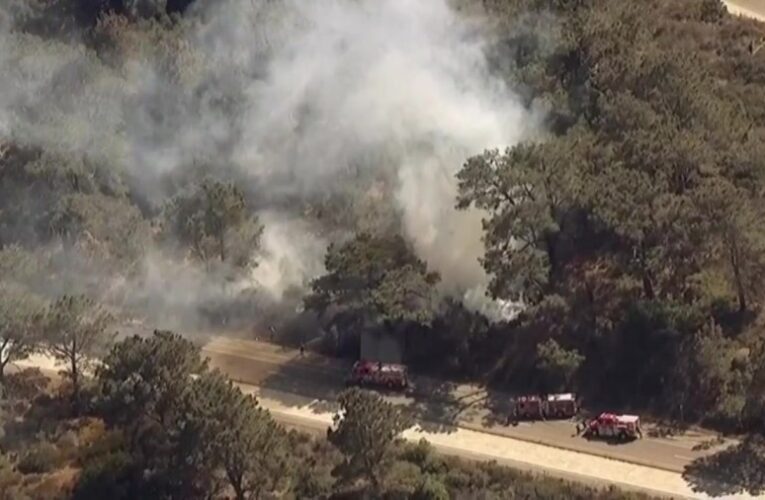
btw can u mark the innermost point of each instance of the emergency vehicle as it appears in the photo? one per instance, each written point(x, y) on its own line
point(536, 407)
point(609, 425)
point(377, 374)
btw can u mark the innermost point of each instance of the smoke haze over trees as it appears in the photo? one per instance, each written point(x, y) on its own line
point(543, 194)
point(306, 109)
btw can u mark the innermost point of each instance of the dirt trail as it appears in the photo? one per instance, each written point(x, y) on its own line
point(749, 8)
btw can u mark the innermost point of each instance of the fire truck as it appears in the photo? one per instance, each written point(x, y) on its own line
point(535, 407)
point(377, 374)
point(612, 426)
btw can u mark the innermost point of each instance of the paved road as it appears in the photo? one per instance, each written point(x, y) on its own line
point(750, 8)
point(443, 407)
point(301, 413)
point(269, 367)
point(520, 455)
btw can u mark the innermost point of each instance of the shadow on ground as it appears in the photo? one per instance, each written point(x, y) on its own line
point(731, 471)
point(316, 382)
point(308, 381)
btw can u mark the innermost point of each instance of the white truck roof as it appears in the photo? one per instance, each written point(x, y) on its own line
point(629, 419)
point(561, 397)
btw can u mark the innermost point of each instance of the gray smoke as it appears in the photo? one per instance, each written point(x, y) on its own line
point(290, 96)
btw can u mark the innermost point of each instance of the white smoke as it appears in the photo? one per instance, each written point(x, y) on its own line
point(290, 254)
point(405, 82)
point(291, 95)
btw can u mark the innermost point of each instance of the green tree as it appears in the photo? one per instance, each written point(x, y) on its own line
point(244, 440)
point(365, 430)
point(103, 226)
point(20, 324)
point(143, 380)
point(528, 192)
point(75, 330)
point(708, 380)
point(754, 407)
point(379, 277)
point(147, 391)
point(185, 424)
point(214, 221)
point(558, 364)
point(736, 238)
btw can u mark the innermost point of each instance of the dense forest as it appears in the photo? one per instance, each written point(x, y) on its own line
point(535, 194)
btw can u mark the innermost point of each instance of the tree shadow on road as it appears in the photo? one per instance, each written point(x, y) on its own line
point(433, 404)
point(731, 471)
point(305, 382)
point(316, 382)
point(498, 407)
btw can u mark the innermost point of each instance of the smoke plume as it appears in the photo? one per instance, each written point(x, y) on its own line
point(288, 98)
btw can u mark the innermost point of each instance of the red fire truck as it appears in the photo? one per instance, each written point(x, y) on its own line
point(612, 426)
point(378, 374)
point(537, 407)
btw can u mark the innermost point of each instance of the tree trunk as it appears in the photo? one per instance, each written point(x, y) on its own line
point(648, 290)
point(648, 287)
point(735, 262)
point(238, 491)
point(75, 374)
point(4, 358)
point(551, 244)
point(375, 482)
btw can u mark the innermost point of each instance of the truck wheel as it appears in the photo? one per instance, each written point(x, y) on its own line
point(622, 436)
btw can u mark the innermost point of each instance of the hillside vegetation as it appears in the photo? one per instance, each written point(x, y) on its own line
point(202, 167)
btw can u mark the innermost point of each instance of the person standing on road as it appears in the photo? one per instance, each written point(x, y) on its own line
point(302, 349)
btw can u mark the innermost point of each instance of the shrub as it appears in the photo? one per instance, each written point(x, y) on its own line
point(40, 458)
point(25, 385)
point(107, 444)
point(402, 479)
point(68, 444)
point(108, 477)
point(431, 488)
point(423, 455)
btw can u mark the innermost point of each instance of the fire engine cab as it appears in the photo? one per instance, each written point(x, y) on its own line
point(378, 374)
point(609, 425)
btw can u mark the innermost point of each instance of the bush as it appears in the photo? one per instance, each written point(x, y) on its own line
point(109, 477)
point(68, 445)
point(90, 432)
point(423, 455)
point(102, 446)
point(402, 479)
point(25, 385)
point(431, 489)
point(418, 453)
point(40, 458)
point(9, 478)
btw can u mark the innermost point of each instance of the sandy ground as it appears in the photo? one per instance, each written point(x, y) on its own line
point(748, 8)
